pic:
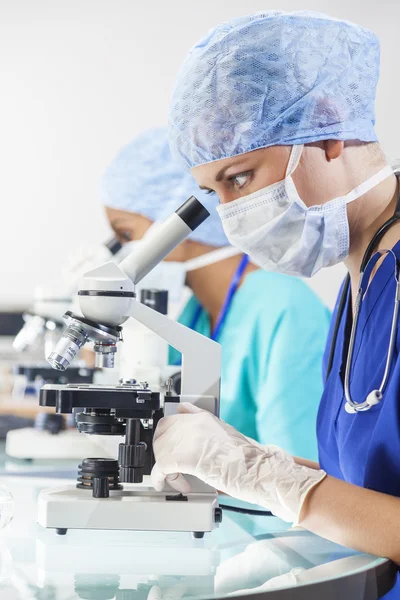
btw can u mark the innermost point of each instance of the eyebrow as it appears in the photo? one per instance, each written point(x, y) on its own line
point(220, 175)
point(242, 168)
point(241, 165)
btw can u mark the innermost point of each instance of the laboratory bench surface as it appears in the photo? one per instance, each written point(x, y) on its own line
point(246, 555)
point(10, 466)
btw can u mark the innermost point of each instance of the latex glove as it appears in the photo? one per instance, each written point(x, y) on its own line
point(271, 448)
point(174, 592)
point(197, 443)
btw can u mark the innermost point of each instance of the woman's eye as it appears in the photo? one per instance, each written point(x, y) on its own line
point(240, 179)
point(210, 192)
point(125, 236)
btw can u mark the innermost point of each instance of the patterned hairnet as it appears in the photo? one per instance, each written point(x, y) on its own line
point(274, 78)
point(145, 179)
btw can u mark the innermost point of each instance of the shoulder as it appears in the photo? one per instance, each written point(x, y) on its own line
point(273, 305)
point(282, 293)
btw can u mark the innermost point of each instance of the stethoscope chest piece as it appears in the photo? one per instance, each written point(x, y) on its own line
point(373, 398)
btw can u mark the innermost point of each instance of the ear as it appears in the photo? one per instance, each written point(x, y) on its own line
point(333, 149)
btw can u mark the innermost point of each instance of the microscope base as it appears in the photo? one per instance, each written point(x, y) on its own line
point(29, 443)
point(136, 508)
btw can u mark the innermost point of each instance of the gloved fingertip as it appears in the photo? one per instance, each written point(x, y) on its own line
point(187, 407)
point(154, 593)
point(157, 479)
point(178, 482)
point(175, 592)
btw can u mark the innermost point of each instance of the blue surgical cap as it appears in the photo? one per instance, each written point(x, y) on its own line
point(145, 179)
point(274, 78)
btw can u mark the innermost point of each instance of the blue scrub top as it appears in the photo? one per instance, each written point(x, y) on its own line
point(272, 342)
point(364, 448)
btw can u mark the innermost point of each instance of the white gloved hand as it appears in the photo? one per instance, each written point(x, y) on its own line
point(197, 443)
point(174, 592)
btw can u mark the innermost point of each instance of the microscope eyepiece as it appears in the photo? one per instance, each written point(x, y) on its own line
point(193, 213)
point(168, 235)
point(114, 246)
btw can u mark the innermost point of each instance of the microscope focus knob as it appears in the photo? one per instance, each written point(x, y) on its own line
point(99, 475)
point(131, 462)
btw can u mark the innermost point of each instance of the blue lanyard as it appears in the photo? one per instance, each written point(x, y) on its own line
point(233, 286)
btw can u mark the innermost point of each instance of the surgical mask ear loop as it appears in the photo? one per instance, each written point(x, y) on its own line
point(210, 258)
point(294, 159)
point(292, 165)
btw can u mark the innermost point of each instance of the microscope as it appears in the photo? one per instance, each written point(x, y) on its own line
point(43, 323)
point(112, 493)
point(48, 436)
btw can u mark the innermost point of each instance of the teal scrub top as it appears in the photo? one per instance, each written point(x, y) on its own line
point(272, 342)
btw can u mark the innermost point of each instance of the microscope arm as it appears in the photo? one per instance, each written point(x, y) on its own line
point(201, 357)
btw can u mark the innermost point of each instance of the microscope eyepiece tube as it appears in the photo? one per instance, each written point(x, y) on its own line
point(113, 245)
point(168, 235)
point(193, 213)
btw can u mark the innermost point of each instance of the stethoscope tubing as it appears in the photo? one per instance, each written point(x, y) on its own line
point(370, 258)
point(375, 396)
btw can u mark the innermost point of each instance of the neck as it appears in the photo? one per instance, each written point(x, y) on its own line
point(210, 284)
point(378, 206)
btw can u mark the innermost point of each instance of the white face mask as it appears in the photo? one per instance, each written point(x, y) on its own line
point(280, 233)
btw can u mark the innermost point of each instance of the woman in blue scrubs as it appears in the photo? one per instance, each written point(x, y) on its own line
point(280, 323)
point(274, 113)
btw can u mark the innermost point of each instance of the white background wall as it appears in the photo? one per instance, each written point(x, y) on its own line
point(79, 78)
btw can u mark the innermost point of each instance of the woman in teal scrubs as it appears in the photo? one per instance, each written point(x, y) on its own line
point(272, 328)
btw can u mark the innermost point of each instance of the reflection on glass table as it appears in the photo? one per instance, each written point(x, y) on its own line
point(245, 555)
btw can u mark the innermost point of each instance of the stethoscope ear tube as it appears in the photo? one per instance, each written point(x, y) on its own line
point(339, 314)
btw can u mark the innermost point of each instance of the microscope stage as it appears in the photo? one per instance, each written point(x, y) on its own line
point(134, 508)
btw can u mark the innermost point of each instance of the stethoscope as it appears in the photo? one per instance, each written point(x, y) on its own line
point(233, 286)
point(369, 261)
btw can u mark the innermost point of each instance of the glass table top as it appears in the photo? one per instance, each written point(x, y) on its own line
point(245, 555)
point(47, 468)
